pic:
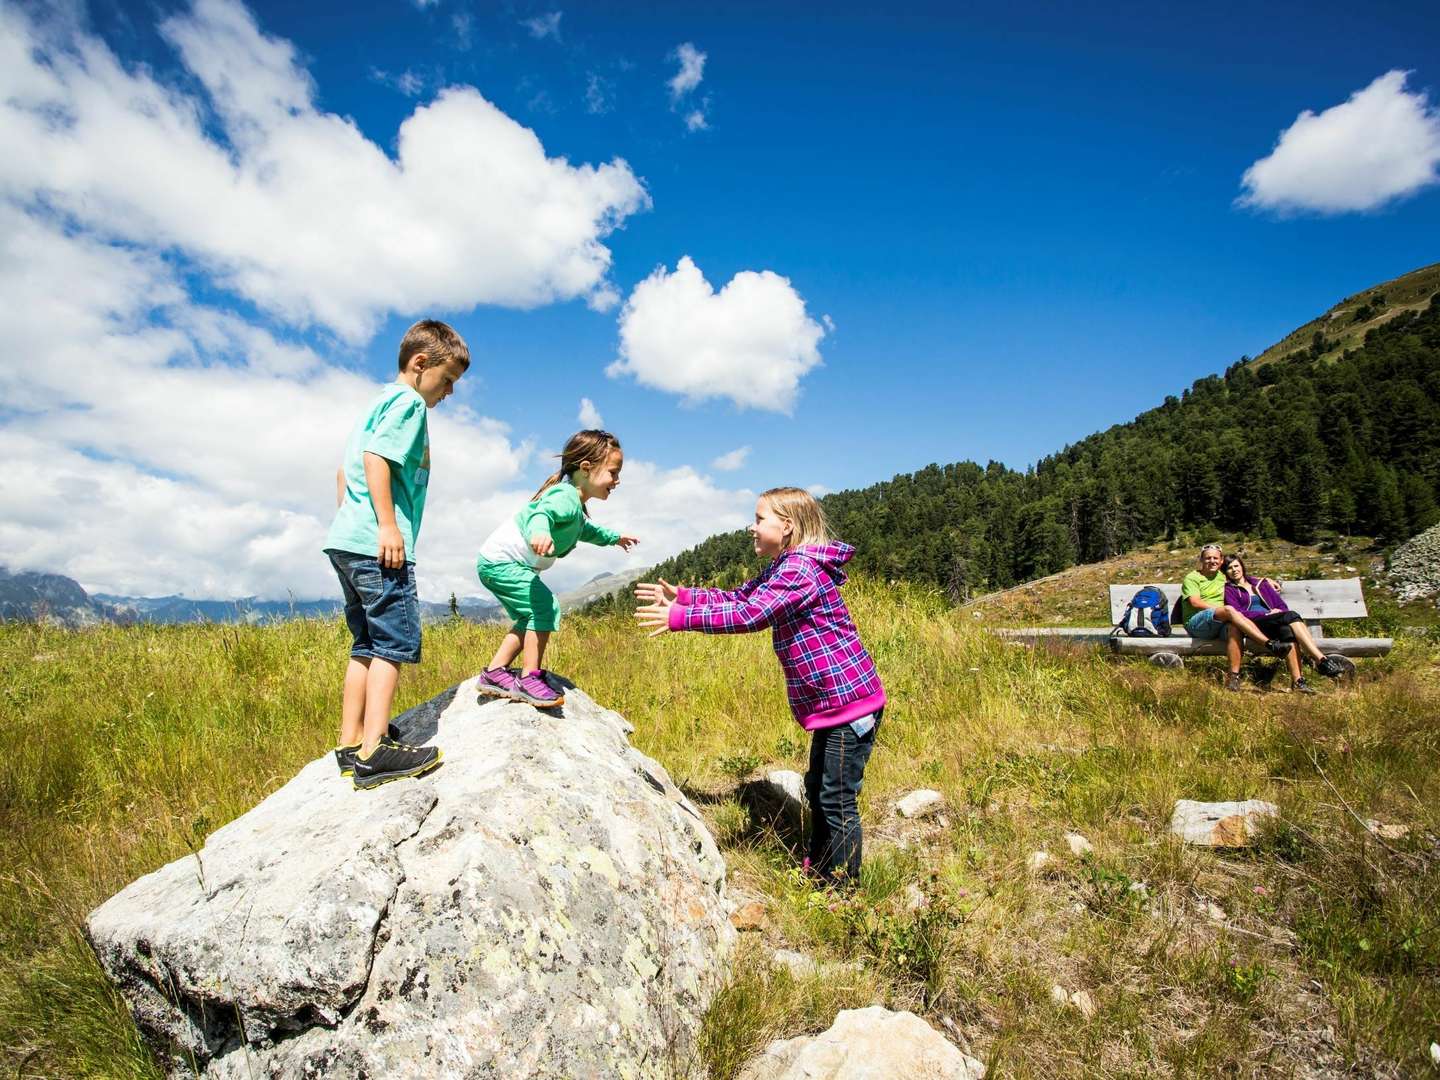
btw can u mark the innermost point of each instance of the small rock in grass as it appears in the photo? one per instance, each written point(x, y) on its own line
point(1435, 1052)
point(1140, 889)
point(748, 918)
point(798, 964)
point(1220, 824)
point(1082, 1000)
point(1078, 844)
point(1213, 911)
point(1038, 861)
point(862, 1044)
point(1059, 995)
point(920, 803)
point(1387, 832)
point(915, 898)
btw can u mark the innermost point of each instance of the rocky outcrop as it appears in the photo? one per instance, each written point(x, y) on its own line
point(866, 1044)
point(546, 903)
point(1415, 567)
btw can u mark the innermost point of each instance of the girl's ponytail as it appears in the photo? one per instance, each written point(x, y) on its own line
point(592, 445)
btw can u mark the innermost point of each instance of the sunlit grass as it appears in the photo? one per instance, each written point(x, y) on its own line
point(129, 745)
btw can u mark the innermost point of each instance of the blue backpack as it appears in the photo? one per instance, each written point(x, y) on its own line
point(1147, 604)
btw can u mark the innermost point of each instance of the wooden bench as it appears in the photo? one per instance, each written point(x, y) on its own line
point(1332, 598)
point(1336, 598)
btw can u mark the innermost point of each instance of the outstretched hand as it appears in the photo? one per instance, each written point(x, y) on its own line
point(648, 592)
point(654, 617)
point(628, 542)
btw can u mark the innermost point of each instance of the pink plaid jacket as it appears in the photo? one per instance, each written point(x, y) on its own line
point(829, 677)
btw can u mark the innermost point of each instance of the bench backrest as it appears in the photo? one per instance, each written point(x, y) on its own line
point(1331, 598)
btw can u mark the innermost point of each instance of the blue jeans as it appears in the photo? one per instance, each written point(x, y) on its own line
point(1203, 626)
point(381, 607)
point(832, 787)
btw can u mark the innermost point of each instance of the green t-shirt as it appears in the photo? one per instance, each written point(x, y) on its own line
point(560, 514)
point(1206, 588)
point(396, 428)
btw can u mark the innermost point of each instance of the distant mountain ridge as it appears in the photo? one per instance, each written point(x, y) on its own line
point(29, 595)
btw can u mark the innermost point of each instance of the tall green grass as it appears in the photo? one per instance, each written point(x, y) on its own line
point(128, 745)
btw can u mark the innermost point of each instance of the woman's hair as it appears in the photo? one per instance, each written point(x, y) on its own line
point(1244, 583)
point(592, 445)
point(802, 511)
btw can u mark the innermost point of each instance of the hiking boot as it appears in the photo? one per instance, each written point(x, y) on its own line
point(345, 758)
point(1330, 668)
point(499, 682)
point(1278, 647)
point(534, 690)
point(345, 755)
point(391, 760)
point(1300, 686)
point(1232, 681)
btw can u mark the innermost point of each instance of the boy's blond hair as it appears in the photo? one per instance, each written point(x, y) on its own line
point(438, 341)
point(805, 515)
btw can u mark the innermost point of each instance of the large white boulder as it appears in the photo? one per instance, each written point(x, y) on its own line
point(545, 904)
point(866, 1044)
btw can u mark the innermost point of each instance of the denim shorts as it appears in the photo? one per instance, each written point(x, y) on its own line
point(1203, 626)
point(381, 608)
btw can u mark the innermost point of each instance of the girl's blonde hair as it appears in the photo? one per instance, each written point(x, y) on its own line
point(592, 445)
point(805, 515)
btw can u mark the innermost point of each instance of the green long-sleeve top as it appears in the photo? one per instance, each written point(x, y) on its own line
point(559, 514)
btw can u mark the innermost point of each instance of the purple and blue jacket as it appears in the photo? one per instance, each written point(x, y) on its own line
point(1237, 600)
point(829, 677)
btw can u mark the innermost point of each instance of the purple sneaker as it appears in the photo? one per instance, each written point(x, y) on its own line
point(499, 682)
point(534, 690)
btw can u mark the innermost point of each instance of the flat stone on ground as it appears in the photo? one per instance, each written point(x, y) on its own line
point(1220, 824)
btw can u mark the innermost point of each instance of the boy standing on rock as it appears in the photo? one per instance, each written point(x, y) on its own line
point(380, 495)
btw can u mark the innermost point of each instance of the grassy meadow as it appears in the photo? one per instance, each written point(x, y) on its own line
point(1316, 953)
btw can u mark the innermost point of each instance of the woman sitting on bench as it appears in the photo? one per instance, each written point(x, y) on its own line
point(1260, 600)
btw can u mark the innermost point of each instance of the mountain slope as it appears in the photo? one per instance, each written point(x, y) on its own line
point(1288, 448)
point(1345, 325)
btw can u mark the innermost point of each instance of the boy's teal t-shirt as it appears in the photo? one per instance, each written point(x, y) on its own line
point(396, 428)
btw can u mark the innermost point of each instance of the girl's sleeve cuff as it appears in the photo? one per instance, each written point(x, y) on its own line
point(677, 616)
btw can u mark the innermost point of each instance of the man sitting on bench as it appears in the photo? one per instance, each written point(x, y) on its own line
point(1207, 617)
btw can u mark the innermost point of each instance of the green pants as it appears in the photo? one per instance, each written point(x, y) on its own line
point(525, 598)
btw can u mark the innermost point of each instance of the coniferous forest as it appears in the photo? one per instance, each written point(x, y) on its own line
point(1348, 441)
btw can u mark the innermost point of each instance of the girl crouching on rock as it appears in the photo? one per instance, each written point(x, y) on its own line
point(546, 528)
point(834, 691)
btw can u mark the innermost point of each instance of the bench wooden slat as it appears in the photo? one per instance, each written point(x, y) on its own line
point(1188, 646)
point(1325, 598)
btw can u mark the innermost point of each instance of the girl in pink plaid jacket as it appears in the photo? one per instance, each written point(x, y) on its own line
point(834, 690)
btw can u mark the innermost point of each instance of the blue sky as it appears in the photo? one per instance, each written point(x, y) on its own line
point(998, 230)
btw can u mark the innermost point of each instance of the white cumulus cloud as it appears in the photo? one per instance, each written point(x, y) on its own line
point(691, 72)
point(543, 26)
point(589, 415)
point(159, 435)
point(751, 342)
point(735, 459)
point(291, 207)
point(1380, 145)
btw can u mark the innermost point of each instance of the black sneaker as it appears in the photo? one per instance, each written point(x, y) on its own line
point(1232, 681)
point(391, 760)
point(1279, 648)
point(1330, 668)
point(1300, 686)
point(345, 755)
point(345, 758)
